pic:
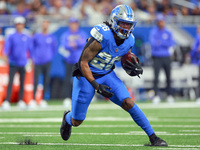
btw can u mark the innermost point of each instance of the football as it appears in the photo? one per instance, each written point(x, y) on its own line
point(128, 56)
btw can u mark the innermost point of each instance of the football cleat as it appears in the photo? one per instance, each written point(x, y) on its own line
point(65, 129)
point(158, 142)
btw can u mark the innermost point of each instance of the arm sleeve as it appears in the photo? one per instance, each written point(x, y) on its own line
point(152, 39)
point(31, 46)
point(7, 47)
point(54, 45)
point(194, 54)
point(62, 40)
point(196, 44)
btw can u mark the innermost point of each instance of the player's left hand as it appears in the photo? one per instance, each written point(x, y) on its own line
point(102, 89)
point(134, 67)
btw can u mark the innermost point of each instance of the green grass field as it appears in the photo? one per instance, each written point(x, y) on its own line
point(107, 127)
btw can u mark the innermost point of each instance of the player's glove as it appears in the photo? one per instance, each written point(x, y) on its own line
point(102, 89)
point(134, 68)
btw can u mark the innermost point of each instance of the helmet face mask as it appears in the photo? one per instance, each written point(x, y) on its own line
point(120, 16)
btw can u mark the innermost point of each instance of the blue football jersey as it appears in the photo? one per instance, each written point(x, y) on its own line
point(103, 62)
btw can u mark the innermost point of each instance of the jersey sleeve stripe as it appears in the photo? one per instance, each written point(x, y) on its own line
point(96, 34)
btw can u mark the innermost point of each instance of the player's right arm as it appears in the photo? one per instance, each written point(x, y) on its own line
point(93, 47)
point(91, 50)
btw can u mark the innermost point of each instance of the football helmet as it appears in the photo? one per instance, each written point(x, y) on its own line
point(124, 14)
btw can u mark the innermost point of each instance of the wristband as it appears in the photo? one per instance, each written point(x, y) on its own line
point(94, 84)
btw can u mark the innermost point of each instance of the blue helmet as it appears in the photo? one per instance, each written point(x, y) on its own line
point(122, 13)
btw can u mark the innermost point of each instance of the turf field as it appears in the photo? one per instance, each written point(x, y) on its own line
point(106, 127)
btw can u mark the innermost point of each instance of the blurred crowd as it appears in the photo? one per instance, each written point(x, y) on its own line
point(91, 12)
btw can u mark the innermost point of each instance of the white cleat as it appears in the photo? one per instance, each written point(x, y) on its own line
point(5, 105)
point(32, 104)
point(198, 101)
point(170, 99)
point(21, 105)
point(156, 100)
point(43, 104)
point(67, 103)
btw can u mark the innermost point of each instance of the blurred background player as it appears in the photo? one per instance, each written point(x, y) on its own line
point(44, 48)
point(72, 43)
point(195, 56)
point(17, 47)
point(162, 42)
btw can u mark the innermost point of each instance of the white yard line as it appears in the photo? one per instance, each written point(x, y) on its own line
point(23, 120)
point(110, 106)
point(176, 148)
point(107, 145)
point(170, 134)
point(106, 126)
point(32, 133)
point(29, 126)
point(128, 133)
point(189, 130)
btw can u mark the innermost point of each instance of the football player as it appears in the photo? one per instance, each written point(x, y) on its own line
point(94, 71)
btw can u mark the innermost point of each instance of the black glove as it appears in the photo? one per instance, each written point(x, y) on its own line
point(133, 68)
point(102, 89)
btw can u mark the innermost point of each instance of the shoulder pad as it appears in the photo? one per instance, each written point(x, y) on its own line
point(100, 31)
